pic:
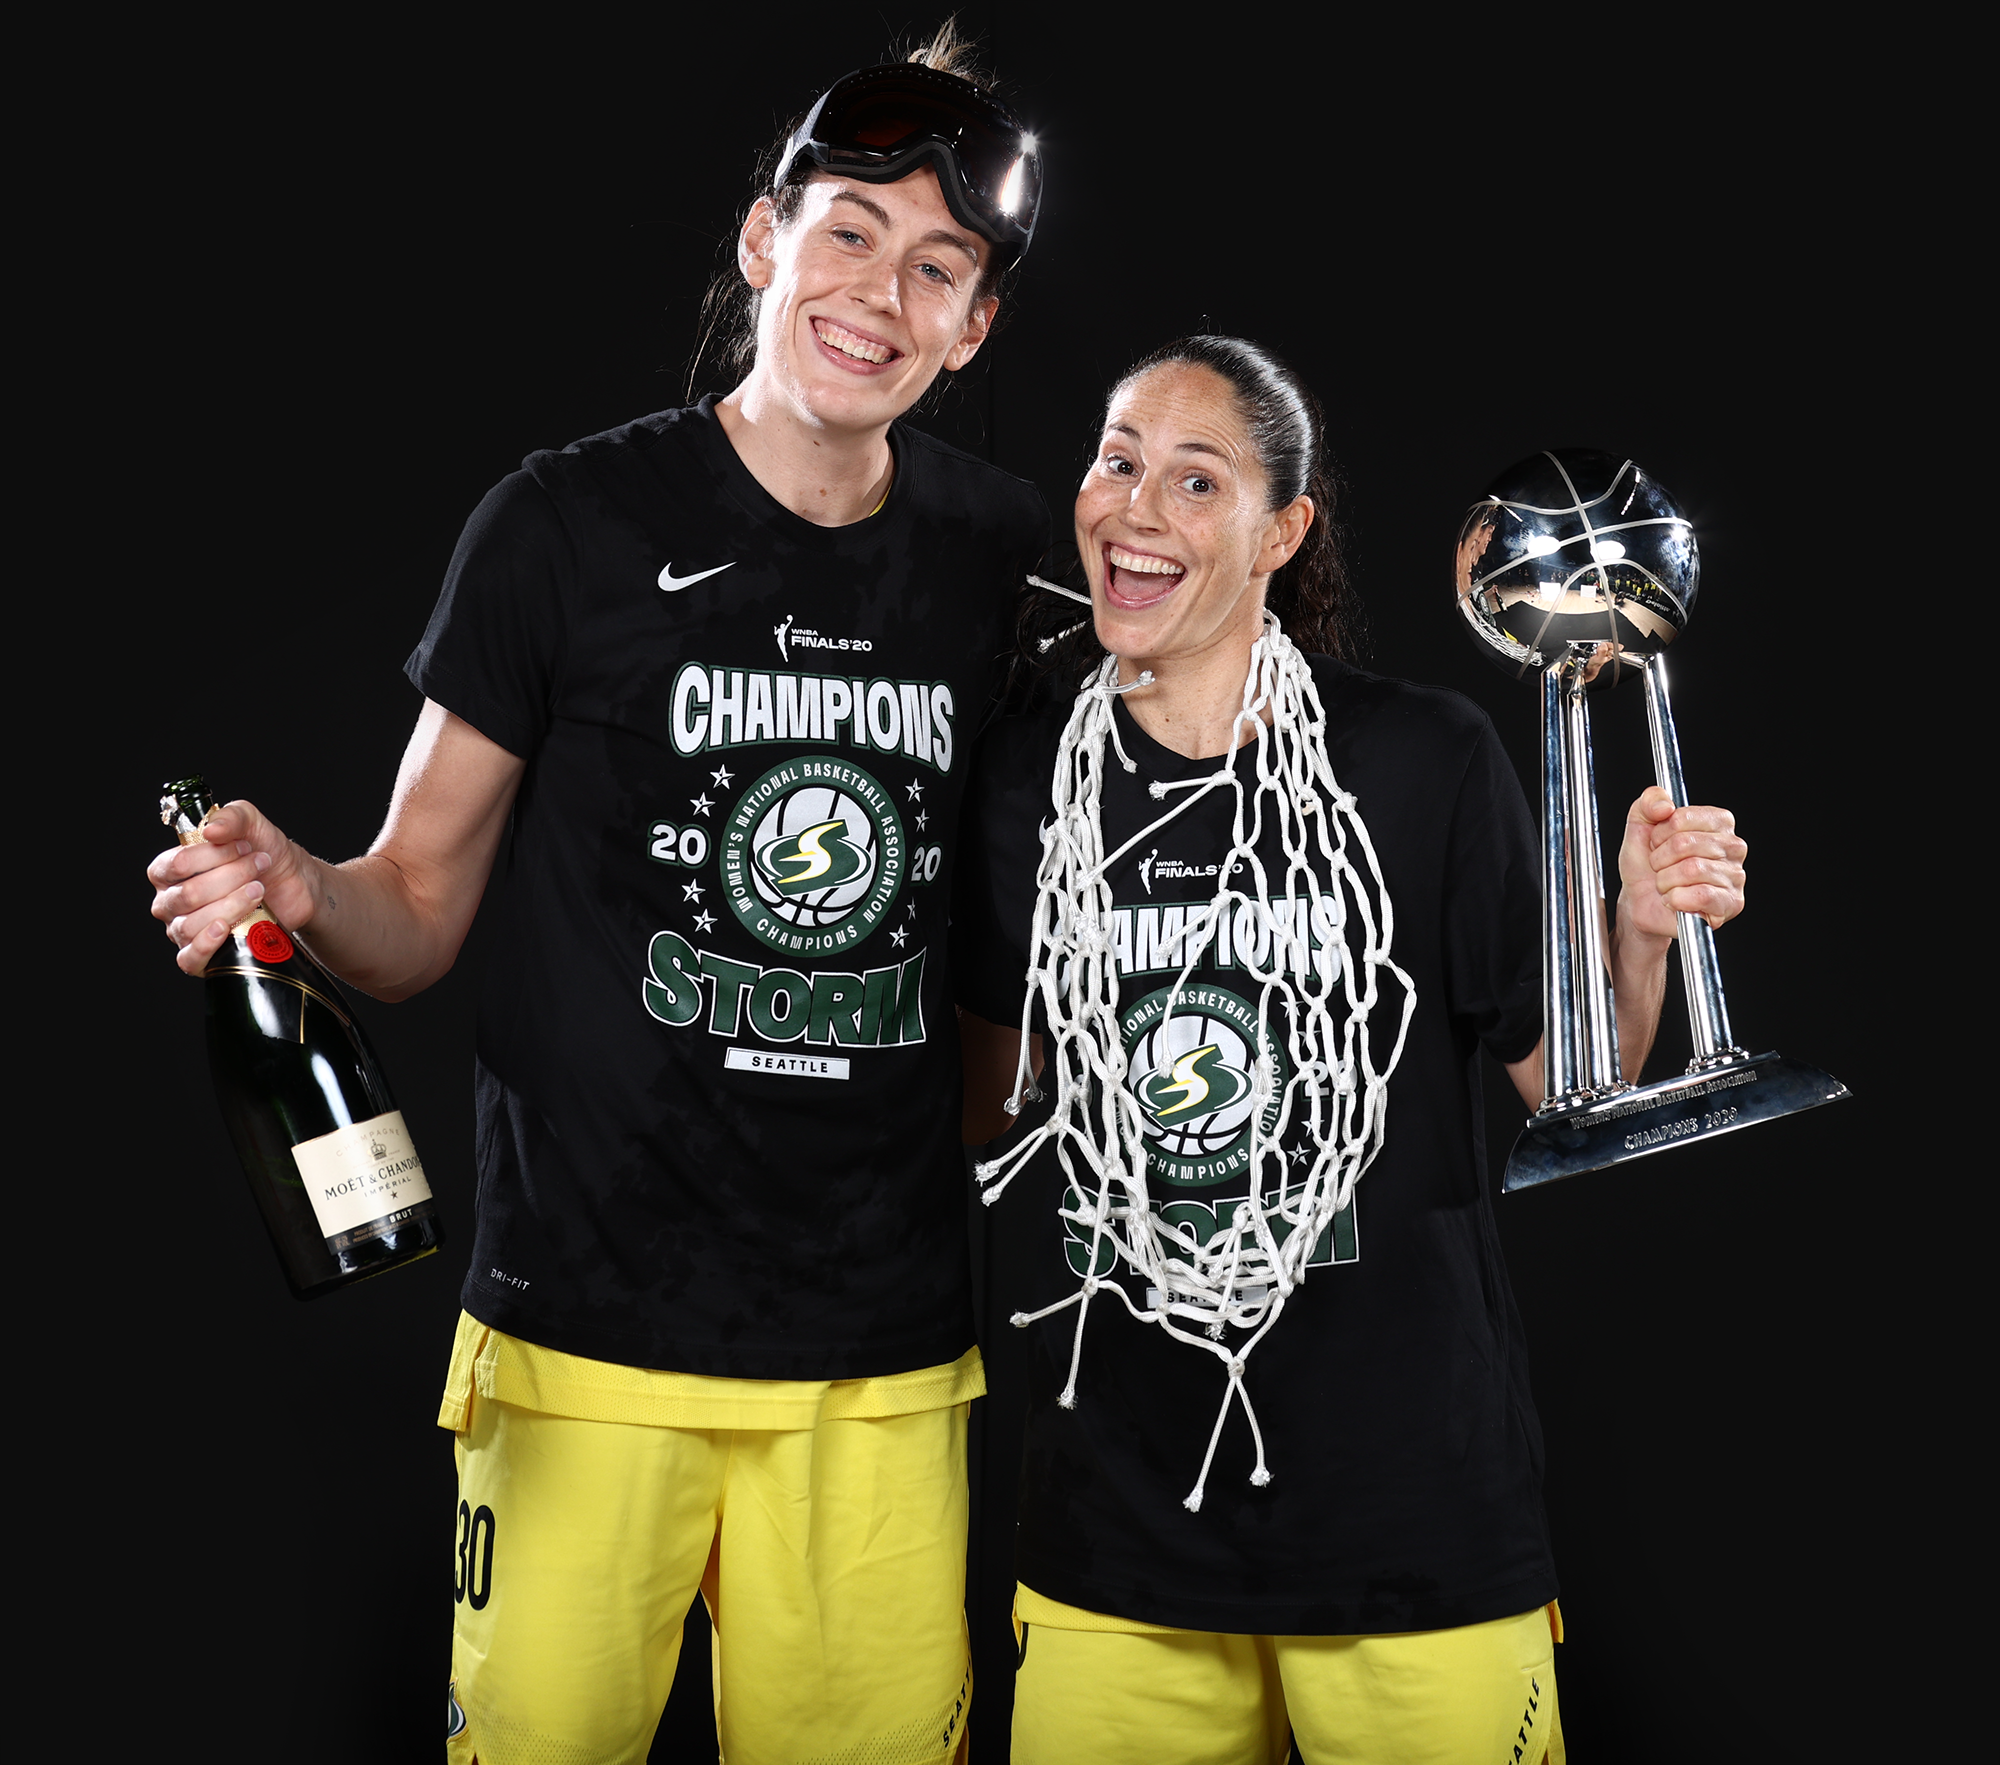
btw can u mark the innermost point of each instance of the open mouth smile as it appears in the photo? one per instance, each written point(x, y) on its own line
point(853, 350)
point(1139, 579)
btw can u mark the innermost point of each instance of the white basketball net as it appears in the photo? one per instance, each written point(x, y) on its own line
point(1317, 995)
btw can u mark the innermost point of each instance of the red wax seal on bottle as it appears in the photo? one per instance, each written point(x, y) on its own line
point(268, 942)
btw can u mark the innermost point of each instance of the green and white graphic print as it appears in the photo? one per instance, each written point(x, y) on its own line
point(812, 857)
point(1195, 1076)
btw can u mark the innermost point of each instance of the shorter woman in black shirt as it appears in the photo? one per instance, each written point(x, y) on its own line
point(1282, 1469)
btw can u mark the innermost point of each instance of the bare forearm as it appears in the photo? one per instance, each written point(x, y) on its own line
point(390, 922)
point(1639, 984)
point(992, 1054)
point(1671, 861)
point(378, 928)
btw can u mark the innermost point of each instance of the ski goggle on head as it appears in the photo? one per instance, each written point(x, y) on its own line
point(882, 123)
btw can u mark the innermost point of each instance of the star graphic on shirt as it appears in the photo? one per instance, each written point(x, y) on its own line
point(722, 775)
point(704, 921)
point(923, 819)
point(898, 936)
point(1298, 1155)
point(913, 910)
point(692, 892)
point(916, 791)
point(701, 804)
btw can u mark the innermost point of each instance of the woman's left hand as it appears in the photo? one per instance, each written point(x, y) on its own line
point(1678, 861)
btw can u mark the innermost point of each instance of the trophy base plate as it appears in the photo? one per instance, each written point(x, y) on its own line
point(1655, 1118)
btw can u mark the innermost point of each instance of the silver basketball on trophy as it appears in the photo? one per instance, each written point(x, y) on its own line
point(1576, 553)
point(1577, 566)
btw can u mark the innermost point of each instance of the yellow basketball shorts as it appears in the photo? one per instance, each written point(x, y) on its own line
point(832, 1559)
point(1099, 1689)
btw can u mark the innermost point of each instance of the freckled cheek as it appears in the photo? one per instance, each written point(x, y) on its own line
point(1092, 506)
point(1209, 548)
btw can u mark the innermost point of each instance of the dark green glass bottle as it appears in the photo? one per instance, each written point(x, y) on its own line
point(330, 1162)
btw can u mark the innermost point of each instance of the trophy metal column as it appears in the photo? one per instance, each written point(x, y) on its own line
point(1582, 585)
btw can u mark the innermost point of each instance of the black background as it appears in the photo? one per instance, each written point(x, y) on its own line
point(314, 293)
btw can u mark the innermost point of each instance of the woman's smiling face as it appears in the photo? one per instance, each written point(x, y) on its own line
point(1172, 523)
point(868, 294)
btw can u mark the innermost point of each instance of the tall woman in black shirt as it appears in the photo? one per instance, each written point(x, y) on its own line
point(704, 685)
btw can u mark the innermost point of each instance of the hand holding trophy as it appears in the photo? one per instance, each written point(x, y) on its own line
point(1580, 568)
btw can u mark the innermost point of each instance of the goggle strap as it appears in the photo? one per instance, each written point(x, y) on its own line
point(1014, 237)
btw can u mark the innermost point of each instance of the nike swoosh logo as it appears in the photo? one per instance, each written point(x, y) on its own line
point(674, 584)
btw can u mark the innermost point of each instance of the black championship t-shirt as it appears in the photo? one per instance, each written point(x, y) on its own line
point(717, 1078)
point(1405, 1454)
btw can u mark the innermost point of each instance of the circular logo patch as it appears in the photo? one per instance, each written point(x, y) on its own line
point(268, 942)
point(812, 856)
point(1195, 1076)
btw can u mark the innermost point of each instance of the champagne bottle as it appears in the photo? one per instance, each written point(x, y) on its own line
point(330, 1162)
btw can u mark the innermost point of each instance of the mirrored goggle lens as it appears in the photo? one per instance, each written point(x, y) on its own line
point(996, 161)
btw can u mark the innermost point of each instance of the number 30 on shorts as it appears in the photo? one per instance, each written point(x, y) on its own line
point(474, 1584)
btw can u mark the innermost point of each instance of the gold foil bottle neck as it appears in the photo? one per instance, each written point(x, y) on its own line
point(178, 797)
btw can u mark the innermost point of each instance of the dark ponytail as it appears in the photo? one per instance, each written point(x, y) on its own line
point(1310, 595)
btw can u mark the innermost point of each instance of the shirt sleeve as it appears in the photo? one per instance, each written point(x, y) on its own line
point(494, 649)
point(1036, 524)
point(1492, 906)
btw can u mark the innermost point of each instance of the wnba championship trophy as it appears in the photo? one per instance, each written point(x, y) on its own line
point(1580, 569)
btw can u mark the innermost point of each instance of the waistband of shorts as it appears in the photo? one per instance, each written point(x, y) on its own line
point(506, 1369)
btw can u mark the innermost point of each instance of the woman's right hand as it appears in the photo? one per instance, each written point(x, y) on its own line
point(244, 861)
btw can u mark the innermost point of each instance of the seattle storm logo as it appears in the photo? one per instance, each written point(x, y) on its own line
point(1198, 1078)
point(1199, 1084)
point(800, 866)
point(1195, 1076)
point(812, 856)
